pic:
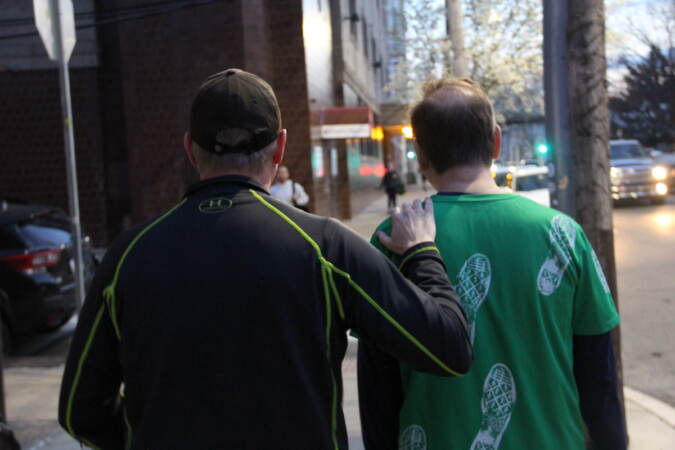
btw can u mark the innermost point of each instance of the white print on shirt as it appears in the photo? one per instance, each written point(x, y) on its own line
point(562, 235)
point(499, 398)
point(413, 438)
point(601, 274)
point(473, 284)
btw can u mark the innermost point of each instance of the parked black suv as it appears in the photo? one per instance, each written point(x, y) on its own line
point(37, 285)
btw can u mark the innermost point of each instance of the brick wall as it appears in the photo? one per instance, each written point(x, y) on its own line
point(163, 60)
point(289, 80)
point(131, 112)
point(32, 159)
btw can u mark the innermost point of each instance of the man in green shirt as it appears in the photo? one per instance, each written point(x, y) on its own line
point(537, 304)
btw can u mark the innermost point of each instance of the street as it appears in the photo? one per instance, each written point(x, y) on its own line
point(644, 240)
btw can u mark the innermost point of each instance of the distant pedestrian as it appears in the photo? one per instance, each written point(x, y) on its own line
point(222, 323)
point(289, 191)
point(392, 186)
point(539, 308)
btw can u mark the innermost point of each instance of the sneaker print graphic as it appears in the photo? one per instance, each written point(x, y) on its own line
point(562, 235)
point(473, 284)
point(499, 398)
point(413, 438)
point(598, 270)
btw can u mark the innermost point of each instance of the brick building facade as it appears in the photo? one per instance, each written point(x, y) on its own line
point(132, 84)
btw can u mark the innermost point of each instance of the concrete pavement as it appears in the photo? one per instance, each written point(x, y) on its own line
point(32, 392)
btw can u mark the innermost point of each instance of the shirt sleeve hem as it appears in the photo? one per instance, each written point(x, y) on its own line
point(608, 326)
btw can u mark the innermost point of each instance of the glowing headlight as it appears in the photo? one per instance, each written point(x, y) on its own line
point(661, 189)
point(659, 173)
point(614, 172)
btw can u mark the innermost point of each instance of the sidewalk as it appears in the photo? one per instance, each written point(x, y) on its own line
point(32, 393)
point(32, 397)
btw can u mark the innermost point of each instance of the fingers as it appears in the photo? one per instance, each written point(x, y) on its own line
point(418, 206)
point(429, 206)
point(384, 239)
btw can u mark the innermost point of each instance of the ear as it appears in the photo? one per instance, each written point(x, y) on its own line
point(422, 160)
point(281, 147)
point(498, 142)
point(187, 146)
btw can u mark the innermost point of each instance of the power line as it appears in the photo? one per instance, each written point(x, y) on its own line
point(112, 16)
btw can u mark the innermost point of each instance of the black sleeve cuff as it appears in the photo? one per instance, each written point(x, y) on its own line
point(422, 250)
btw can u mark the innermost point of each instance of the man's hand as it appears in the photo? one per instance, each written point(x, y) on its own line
point(413, 225)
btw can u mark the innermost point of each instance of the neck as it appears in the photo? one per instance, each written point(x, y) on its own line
point(262, 178)
point(469, 179)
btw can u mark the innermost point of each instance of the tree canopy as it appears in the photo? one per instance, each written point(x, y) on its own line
point(503, 46)
point(644, 109)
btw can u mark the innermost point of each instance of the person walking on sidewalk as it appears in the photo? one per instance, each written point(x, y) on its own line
point(539, 309)
point(289, 191)
point(222, 323)
point(391, 181)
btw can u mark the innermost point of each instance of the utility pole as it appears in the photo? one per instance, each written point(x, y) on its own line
point(455, 29)
point(577, 126)
point(589, 136)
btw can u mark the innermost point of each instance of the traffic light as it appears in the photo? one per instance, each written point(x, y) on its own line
point(410, 154)
point(542, 148)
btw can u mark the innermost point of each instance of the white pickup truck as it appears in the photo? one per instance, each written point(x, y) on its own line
point(635, 174)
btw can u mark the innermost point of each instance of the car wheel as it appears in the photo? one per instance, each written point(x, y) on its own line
point(658, 200)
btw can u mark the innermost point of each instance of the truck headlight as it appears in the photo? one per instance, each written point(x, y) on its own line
point(661, 189)
point(659, 173)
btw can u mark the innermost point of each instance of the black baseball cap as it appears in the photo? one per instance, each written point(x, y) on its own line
point(234, 111)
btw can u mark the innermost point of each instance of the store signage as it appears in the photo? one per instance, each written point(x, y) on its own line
point(345, 131)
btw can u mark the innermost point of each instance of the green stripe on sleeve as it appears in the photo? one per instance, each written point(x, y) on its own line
point(418, 251)
point(78, 374)
point(109, 291)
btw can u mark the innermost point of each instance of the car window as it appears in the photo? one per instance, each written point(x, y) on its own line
point(624, 151)
point(532, 182)
point(36, 236)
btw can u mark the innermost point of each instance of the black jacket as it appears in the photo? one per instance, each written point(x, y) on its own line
point(224, 321)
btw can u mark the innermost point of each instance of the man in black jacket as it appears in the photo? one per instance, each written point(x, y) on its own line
point(222, 323)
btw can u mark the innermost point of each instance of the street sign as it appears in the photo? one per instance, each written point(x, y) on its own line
point(48, 27)
point(55, 21)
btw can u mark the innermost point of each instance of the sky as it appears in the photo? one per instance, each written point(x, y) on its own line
point(625, 20)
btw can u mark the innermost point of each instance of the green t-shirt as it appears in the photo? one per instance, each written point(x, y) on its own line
point(529, 280)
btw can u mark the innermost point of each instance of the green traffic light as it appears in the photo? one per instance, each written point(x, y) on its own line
point(410, 155)
point(542, 148)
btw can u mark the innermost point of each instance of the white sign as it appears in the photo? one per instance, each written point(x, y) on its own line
point(345, 131)
point(46, 23)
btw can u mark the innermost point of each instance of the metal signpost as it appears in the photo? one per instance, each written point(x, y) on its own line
point(55, 22)
point(557, 104)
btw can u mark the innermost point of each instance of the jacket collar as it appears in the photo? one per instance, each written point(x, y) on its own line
point(228, 182)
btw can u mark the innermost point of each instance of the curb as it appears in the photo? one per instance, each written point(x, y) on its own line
point(658, 408)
